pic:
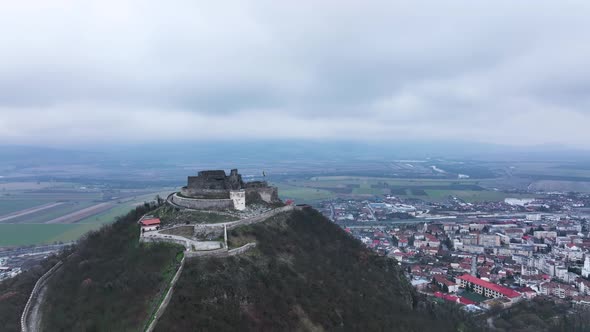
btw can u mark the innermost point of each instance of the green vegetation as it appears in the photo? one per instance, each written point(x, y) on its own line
point(52, 213)
point(328, 187)
point(168, 275)
point(541, 314)
point(15, 292)
point(109, 215)
point(30, 229)
point(111, 280)
point(474, 296)
point(8, 206)
point(186, 231)
point(29, 234)
point(303, 194)
point(305, 274)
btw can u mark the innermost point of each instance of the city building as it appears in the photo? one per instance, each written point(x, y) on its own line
point(487, 288)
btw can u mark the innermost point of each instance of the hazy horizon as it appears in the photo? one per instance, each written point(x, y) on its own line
point(105, 72)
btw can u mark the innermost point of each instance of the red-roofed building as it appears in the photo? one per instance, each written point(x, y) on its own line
point(442, 281)
point(452, 298)
point(486, 288)
point(149, 224)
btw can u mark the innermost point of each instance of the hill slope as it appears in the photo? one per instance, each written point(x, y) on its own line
point(306, 274)
point(111, 282)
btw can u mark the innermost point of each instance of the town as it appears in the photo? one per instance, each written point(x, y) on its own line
point(481, 255)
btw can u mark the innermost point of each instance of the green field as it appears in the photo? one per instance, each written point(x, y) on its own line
point(474, 296)
point(31, 230)
point(9, 205)
point(109, 215)
point(29, 234)
point(328, 187)
point(51, 213)
point(303, 194)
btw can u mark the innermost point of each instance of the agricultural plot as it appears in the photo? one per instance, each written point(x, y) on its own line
point(30, 234)
point(303, 194)
point(57, 216)
point(81, 214)
point(9, 205)
point(52, 212)
point(319, 188)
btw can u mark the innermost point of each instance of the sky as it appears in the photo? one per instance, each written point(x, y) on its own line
point(504, 72)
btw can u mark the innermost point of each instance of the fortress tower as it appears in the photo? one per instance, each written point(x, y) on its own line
point(214, 190)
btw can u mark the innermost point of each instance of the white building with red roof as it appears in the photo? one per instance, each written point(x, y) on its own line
point(149, 223)
point(487, 288)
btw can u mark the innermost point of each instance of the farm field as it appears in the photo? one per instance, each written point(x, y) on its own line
point(303, 194)
point(32, 215)
point(9, 205)
point(327, 187)
point(45, 215)
point(31, 234)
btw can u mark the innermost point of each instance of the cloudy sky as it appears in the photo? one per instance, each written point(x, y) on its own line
point(508, 72)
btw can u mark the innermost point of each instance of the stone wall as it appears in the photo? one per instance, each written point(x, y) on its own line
point(25, 324)
point(216, 230)
point(204, 193)
point(167, 298)
point(266, 194)
point(216, 179)
point(203, 204)
point(185, 243)
point(221, 252)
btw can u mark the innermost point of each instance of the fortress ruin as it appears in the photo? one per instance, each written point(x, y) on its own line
point(214, 190)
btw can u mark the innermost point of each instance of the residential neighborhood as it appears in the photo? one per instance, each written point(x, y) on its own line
point(480, 255)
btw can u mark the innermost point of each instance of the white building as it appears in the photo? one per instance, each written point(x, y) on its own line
point(586, 268)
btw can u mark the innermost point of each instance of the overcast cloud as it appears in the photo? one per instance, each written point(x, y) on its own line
point(509, 72)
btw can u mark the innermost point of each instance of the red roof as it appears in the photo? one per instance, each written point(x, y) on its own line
point(495, 287)
point(465, 300)
point(150, 222)
point(444, 280)
point(446, 297)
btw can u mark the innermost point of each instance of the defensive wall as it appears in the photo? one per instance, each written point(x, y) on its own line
point(221, 252)
point(167, 298)
point(191, 192)
point(34, 296)
point(216, 230)
point(202, 204)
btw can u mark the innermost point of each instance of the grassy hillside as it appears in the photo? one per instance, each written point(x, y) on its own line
point(111, 282)
point(306, 274)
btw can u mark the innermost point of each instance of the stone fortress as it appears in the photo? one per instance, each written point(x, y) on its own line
point(214, 190)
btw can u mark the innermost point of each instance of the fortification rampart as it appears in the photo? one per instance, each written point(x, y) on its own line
point(167, 298)
point(267, 194)
point(203, 204)
point(216, 230)
point(191, 192)
point(25, 325)
point(221, 252)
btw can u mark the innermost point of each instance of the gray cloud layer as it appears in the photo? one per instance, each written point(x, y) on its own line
point(511, 72)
